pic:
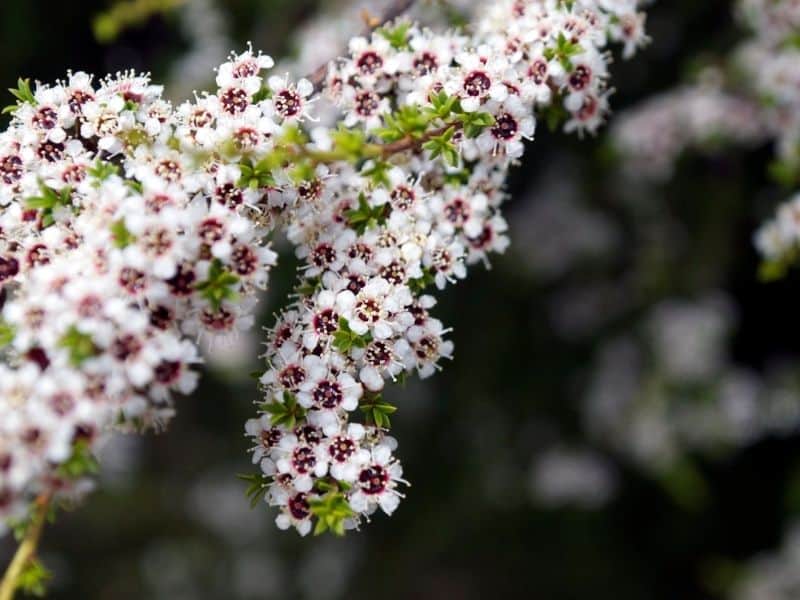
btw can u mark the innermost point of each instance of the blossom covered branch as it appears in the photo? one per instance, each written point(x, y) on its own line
point(133, 229)
point(751, 97)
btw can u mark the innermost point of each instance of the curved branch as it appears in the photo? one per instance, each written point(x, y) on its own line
point(26, 550)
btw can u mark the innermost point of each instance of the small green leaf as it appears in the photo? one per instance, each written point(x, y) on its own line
point(441, 145)
point(376, 410)
point(219, 286)
point(102, 170)
point(349, 142)
point(81, 462)
point(80, 346)
point(7, 333)
point(49, 201)
point(136, 186)
point(419, 284)
point(122, 237)
point(378, 172)
point(33, 579)
point(263, 94)
point(442, 105)
point(256, 488)
point(563, 51)
point(286, 412)
point(258, 175)
point(307, 287)
point(302, 172)
point(344, 338)
point(475, 122)
point(396, 36)
point(23, 94)
point(408, 121)
point(365, 216)
point(331, 510)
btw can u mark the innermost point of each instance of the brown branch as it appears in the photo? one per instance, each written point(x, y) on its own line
point(412, 143)
point(394, 10)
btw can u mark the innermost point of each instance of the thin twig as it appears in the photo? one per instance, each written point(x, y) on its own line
point(412, 143)
point(394, 10)
point(26, 550)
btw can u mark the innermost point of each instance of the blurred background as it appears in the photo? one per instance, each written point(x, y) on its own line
point(621, 416)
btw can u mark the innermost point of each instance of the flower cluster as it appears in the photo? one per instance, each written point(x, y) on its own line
point(771, 63)
point(754, 97)
point(434, 122)
point(653, 136)
point(676, 390)
point(132, 229)
point(571, 477)
point(121, 239)
point(771, 575)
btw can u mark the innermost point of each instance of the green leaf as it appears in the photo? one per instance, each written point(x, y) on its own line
point(441, 145)
point(256, 488)
point(7, 333)
point(22, 93)
point(365, 216)
point(457, 177)
point(293, 135)
point(286, 412)
point(344, 338)
point(263, 94)
point(563, 51)
point(81, 462)
point(258, 175)
point(80, 346)
point(33, 579)
point(331, 511)
point(377, 411)
point(378, 172)
point(408, 121)
point(49, 200)
point(302, 171)
point(396, 36)
point(349, 142)
point(219, 286)
point(475, 122)
point(136, 186)
point(307, 287)
point(122, 237)
point(442, 105)
point(102, 170)
point(419, 284)
point(792, 41)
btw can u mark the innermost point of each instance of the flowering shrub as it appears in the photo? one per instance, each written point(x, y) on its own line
point(751, 97)
point(134, 229)
point(683, 395)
